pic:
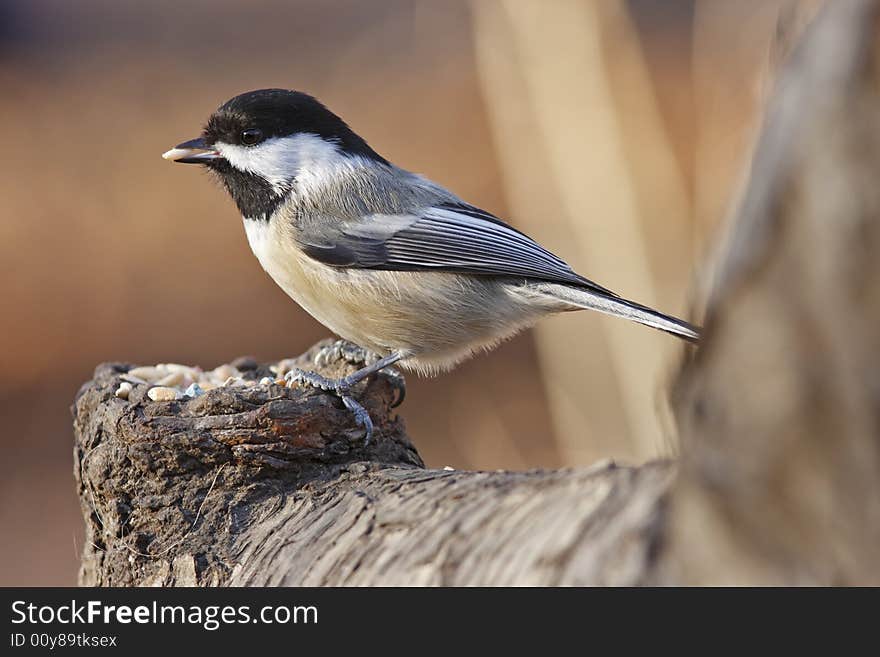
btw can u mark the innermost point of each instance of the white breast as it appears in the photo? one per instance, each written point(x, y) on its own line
point(258, 232)
point(280, 257)
point(305, 281)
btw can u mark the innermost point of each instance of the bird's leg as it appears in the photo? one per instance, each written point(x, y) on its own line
point(342, 387)
point(357, 355)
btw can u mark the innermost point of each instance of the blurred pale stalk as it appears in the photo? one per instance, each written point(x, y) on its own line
point(570, 185)
point(733, 72)
point(729, 77)
point(664, 205)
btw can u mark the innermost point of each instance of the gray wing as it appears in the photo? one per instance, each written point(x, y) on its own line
point(453, 237)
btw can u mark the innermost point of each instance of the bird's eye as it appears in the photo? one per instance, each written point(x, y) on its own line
point(251, 136)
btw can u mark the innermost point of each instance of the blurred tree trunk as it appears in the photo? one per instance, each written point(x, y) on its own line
point(779, 410)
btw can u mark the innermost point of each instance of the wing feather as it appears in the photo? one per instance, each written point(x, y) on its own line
point(453, 237)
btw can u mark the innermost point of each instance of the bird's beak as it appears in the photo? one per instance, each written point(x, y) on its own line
point(194, 151)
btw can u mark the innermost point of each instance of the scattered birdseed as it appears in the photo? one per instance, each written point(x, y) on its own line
point(176, 367)
point(161, 393)
point(224, 372)
point(124, 389)
point(147, 373)
point(194, 390)
point(282, 367)
point(173, 379)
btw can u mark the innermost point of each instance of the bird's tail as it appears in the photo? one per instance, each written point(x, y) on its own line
point(610, 304)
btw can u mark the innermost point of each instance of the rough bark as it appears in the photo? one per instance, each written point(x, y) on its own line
point(779, 480)
point(266, 485)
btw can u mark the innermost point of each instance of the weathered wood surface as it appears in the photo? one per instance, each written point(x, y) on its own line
point(779, 479)
point(264, 485)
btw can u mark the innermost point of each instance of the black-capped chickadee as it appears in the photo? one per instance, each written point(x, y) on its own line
point(382, 257)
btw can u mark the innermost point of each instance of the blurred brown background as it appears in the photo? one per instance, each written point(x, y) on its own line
point(614, 132)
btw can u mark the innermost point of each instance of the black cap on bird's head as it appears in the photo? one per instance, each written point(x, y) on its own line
point(254, 142)
point(253, 117)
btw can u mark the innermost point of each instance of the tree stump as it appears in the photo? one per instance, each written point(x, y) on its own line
point(267, 485)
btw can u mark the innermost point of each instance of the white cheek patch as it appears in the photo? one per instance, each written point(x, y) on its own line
point(279, 160)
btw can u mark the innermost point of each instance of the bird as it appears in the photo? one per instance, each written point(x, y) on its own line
point(387, 259)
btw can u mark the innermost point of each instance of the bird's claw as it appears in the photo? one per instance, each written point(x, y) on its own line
point(397, 381)
point(343, 350)
point(354, 355)
point(339, 387)
point(361, 416)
